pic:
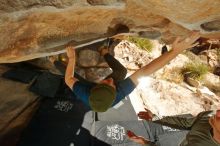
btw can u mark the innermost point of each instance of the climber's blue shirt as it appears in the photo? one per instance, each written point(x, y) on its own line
point(123, 88)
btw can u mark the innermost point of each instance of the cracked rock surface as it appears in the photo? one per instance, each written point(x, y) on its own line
point(35, 28)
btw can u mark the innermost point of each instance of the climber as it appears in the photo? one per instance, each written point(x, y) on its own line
point(204, 129)
point(108, 92)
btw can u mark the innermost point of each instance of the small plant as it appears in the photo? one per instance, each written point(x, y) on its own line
point(142, 43)
point(195, 70)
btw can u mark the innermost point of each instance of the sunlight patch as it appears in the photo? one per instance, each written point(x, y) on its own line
point(145, 82)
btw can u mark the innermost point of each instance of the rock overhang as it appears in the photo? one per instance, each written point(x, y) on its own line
point(32, 29)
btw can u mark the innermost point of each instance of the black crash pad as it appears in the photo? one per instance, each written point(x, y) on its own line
point(21, 75)
point(47, 84)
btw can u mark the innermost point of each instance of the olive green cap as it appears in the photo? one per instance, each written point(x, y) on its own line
point(102, 97)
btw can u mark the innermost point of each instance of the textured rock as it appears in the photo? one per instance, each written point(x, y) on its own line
point(165, 98)
point(35, 28)
point(131, 56)
point(88, 58)
point(212, 82)
point(212, 57)
point(15, 98)
point(97, 74)
point(211, 26)
point(217, 71)
point(192, 82)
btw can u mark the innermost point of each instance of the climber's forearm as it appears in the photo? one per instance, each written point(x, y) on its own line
point(155, 65)
point(69, 75)
point(159, 62)
point(178, 46)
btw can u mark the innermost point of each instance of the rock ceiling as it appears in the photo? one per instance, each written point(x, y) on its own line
point(34, 28)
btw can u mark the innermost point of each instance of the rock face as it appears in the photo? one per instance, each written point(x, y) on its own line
point(88, 58)
point(35, 28)
point(166, 98)
point(212, 82)
point(15, 99)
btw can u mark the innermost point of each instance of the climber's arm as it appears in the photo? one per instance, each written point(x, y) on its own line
point(177, 47)
point(69, 75)
point(177, 122)
point(182, 122)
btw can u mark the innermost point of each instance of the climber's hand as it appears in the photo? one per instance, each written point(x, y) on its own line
point(182, 44)
point(138, 139)
point(103, 51)
point(70, 52)
point(146, 115)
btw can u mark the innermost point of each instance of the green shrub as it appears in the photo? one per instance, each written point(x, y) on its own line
point(195, 70)
point(142, 43)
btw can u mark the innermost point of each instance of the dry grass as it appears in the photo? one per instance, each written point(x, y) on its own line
point(142, 43)
point(195, 70)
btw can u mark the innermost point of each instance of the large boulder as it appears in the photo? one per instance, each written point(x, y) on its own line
point(36, 28)
point(166, 98)
point(212, 82)
point(88, 58)
point(15, 99)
